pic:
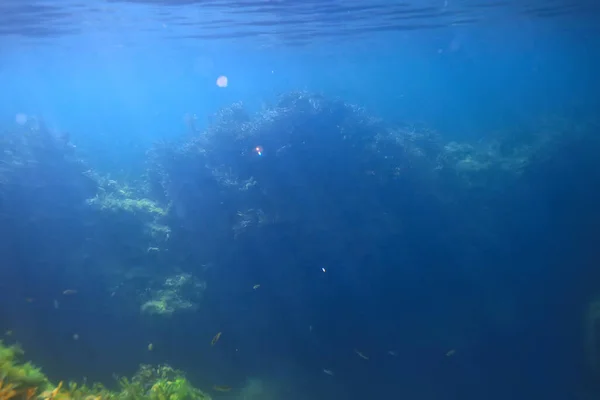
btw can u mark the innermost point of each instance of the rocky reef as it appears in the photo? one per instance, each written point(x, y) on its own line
point(316, 180)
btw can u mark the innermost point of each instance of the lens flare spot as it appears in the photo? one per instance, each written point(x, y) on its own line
point(222, 81)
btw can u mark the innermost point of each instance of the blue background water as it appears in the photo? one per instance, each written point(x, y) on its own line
point(117, 89)
point(462, 80)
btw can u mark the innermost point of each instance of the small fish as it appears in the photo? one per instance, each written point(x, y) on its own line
point(450, 353)
point(75, 336)
point(361, 355)
point(328, 371)
point(150, 346)
point(215, 339)
point(8, 333)
point(323, 269)
point(392, 353)
point(29, 299)
point(55, 303)
point(69, 292)
point(220, 388)
point(256, 286)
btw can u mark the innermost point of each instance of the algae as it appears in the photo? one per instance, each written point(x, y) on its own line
point(23, 381)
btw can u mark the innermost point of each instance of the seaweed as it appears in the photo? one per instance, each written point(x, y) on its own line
point(20, 376)
point(23, 381)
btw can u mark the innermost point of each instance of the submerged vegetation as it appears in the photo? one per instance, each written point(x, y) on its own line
point(317, 177)
point(20, 381)
point(18, 377)
point(178, 293)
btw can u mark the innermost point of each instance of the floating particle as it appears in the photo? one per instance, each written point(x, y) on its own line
point(222, 81)
point(323, 269)
point(75, 336)
point(259, 150)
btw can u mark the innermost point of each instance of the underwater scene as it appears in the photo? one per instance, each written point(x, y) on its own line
point(299, 200)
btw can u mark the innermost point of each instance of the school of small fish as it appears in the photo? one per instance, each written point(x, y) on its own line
point(217, 336)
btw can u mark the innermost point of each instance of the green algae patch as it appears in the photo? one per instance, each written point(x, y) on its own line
point(22, 381)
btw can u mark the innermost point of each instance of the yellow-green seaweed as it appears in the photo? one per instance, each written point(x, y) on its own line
point(23, 381)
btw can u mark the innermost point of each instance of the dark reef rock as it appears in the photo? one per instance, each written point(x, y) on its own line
point(310, 167)
point(43, 188)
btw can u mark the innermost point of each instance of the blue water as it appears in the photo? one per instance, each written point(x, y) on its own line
point(477, 295)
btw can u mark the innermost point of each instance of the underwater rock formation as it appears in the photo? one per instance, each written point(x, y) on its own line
point(310, 167)
point(129, 223)
point(314, 179)
point(61, 220)
point(43, 187)
point(307, 180)
point(307, 162)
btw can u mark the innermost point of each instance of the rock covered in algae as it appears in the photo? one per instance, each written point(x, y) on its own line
point(181, 292)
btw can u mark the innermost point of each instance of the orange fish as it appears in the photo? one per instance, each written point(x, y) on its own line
point(215, 339)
